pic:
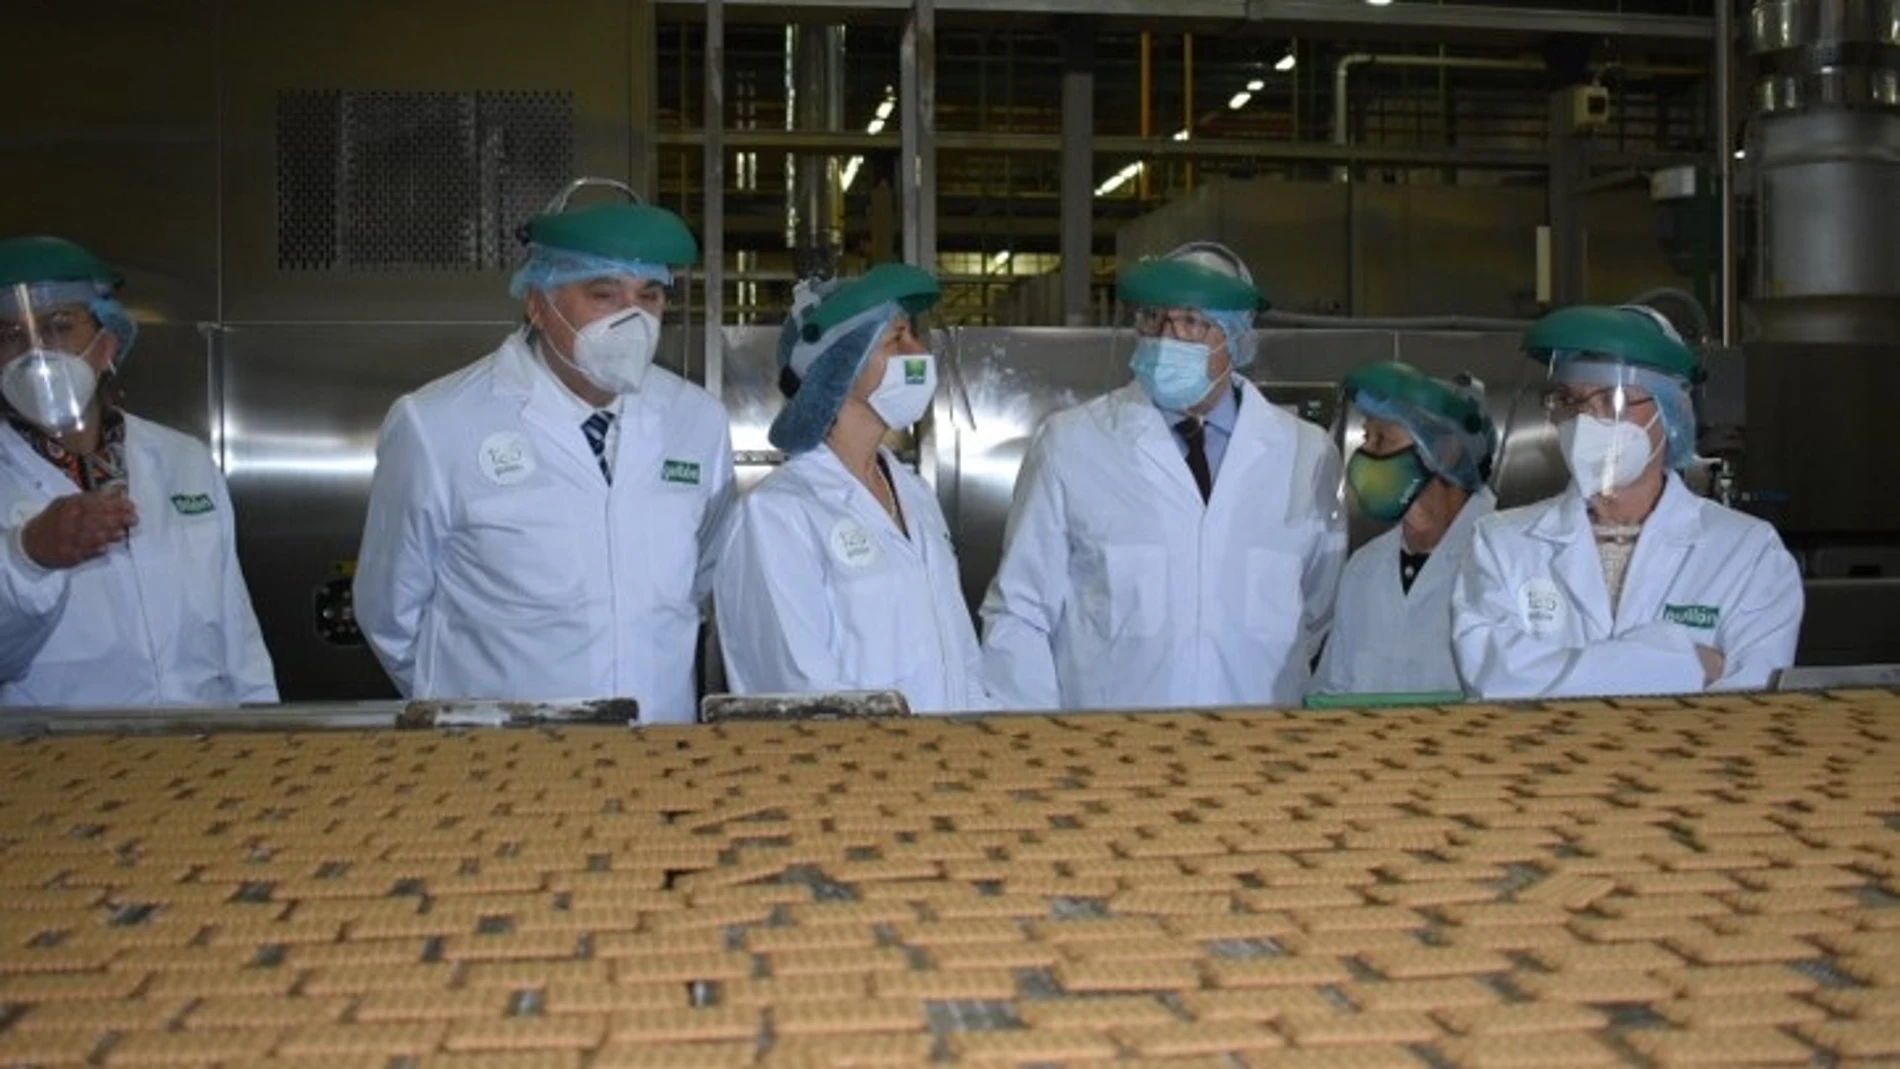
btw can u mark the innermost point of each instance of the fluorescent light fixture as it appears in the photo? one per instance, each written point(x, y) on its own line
point(851, 168)
point(1000, 259)
point(1286, 63)
point(1256, 85)
point(1238, 100)
point(1379, 3)
point(1741, 153)
point(1118, 179)
point(884, 109)
point(1180, 135)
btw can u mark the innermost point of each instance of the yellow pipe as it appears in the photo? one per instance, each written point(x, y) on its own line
point(1187, 99)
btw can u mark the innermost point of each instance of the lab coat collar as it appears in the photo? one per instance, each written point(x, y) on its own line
point(832, 481)
point(1260, 429)
point(1677, 518)
point(1448, 556)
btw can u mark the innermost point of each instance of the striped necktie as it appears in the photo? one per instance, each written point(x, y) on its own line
point(596, 429)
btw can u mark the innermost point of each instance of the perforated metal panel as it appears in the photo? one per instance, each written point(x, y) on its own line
point(414, 181)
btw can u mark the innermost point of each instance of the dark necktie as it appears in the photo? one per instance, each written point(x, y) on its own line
point(596, 429)
point(1194, 433)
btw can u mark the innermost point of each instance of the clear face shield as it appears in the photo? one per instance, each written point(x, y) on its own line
point(1607, 419)
point(48, 336)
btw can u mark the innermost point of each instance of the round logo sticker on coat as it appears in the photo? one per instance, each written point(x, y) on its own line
point(1542, 606)
point(506, 458)
point(852, 545)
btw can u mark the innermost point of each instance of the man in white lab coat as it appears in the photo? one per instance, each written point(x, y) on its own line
point(119, 585)
point(1176, 542)
point(541, 523)
point(1422, 468)
point(1626, 583)
point(840, 574)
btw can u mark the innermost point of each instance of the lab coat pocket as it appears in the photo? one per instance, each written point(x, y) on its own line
point(1127, 595)
point(192, 549)
point(1274, 596)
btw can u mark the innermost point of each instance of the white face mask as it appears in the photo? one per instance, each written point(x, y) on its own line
point(614, 351)
point(1604, 455)
point(904, 396)
point(50, 389)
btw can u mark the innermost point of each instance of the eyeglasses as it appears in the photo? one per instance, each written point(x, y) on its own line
point(64, 329)
point(1182, 323)
point(1564, 403)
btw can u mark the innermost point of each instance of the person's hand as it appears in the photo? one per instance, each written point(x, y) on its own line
point(1713, 663)
point(75, 529)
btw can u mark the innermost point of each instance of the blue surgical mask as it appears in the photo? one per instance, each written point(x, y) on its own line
point(1173, 372)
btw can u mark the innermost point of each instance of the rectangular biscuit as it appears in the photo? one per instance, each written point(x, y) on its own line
point(1260, 1004)
point(1353, 1029)
point(1525, 1051)
point(1521, 1019)
point(190, 1048)
point(733, 1054)
point(1094, 976)
point(1420, 994)
point(1700, 981)
point(1875, 1038)
point(847, 1016)
point(684, 1026)
point(779, 990)
point(1094, 1013)
point(1592, 986)
point(873, 1051)
point(1185, 1038)
point(1277, 972)
point(458, 1005)
point(1018, 1047)
point(1739, 1011)
point(959, 985)
point(576, 1032)
point(1425, 962)
point(335, 1040)
point(1723, 1046)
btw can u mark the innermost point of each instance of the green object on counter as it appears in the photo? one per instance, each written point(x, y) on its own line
point(1383, 701)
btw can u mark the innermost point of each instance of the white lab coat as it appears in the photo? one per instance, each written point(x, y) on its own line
point(498, 563)
point(161, 619)
point(818, 590)
point(1531, 615)
point(1387, 640)
point(1120, 588)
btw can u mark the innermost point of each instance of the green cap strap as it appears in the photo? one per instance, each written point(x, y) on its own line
point(1402, 383)
point(1617, 334)
point(1184, 284)
point(910, 288)
point(24, 261)
point(639, 233)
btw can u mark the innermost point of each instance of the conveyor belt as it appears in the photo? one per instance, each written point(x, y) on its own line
point(1654, 883)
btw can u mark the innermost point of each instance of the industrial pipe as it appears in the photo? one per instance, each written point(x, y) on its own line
point(714, 220)
point(1725, 159)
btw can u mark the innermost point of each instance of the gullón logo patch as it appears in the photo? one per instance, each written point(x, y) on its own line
point(192, 504)
point(680, 471)
point(916, 372)
point(1702, 617)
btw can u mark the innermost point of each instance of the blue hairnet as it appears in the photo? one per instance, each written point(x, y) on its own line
point(1673, 404)
point(117, 322)
point(817, 376)
point(1460, 457)
point(1238, 327)
point(548, 267)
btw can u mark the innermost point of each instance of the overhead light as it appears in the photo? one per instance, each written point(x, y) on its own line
point(1256, 85)
point(1379, 3)
point(1118, 179)
point(1239, 100)
point(1180, 135)
point(1741, 153)
point(1286, 63)
point(1000, 259)
point(883, 113)
point(851, 170)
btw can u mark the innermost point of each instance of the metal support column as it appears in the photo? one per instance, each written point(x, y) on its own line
point(1566, 174)
point(1078, 168)
point(1724, 90)
point(643, 95)
point(918, 178)
point(714, 220)
point(817, 183)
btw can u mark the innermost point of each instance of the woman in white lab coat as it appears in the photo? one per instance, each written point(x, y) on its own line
point(119, 583)
point(840, 574)
point(1626, 583)
point(1422, 467)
